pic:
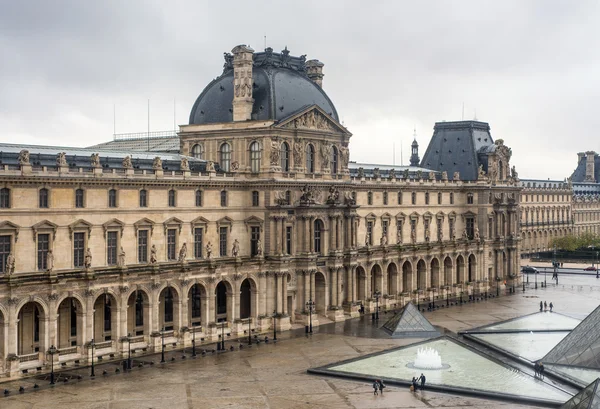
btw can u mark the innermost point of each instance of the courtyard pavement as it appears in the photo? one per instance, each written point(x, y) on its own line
point(274, 375)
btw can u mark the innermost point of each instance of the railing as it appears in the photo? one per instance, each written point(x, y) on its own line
point(102, 345)
point(144, 135)
point(29, 357)
point(138, 338)
point(67, 351)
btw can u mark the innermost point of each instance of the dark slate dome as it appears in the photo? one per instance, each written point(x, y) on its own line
point(281, 87)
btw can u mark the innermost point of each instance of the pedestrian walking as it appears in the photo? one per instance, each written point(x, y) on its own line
point(551, 306)
point(541, 306)
point(536, 369)
point(541, 370)
point(422, 379)
point(381, 386)
point(375, 387)
point(414, 384)
point(545, 306)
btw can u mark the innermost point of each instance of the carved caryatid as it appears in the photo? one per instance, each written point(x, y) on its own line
point(10, 263)
point(344, 156)
point(399, 236)
point(413, 236)
point(456, 176)
point(157, 163)
point(153, 259)
point(61, 159)
point(182, 253)
point(325, 155)
point(367, 239)
point(87, 262)
point(259, 249)
point(440, 233)
point(383, 240)
point(121, 259)
point(24, 157)
point(476, 234)
point(50, 261)
point(185, 165)
point(427, 234)
point(298, 154)
point(465, 235)
point(210, 166)
point(208, 249)
point(127, 162)
point(275, 154)
point(95, 160)
point(235, 249)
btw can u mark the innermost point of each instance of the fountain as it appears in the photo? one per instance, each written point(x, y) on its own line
point(428, 358)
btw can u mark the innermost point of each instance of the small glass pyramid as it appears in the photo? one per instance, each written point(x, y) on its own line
point(588, 398)
point(409, 322)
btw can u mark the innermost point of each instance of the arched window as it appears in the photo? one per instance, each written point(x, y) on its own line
point(143, 198)
point(318, 231)
point(285, 157)
point(43, 198)
point(334, 160)
point(225, 159)
point(254, 157)
point(79, 196)
point(197, 151)
point(310, 158)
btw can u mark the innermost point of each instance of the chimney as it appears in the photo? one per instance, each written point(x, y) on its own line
point(589, 167)
point(580, 156)
point(314, 70)
point(242, 82)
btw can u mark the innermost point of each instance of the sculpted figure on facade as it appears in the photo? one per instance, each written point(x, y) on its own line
point(333, 196)
point(24, 157)
point(95, 160)
point(121, 259)
point(259, 249)
point(274, 155)
point(157, 163)
point(153, 258)
point(432, 176)
point(87, 261)
point(440, 232)
point(298, 154)
point(413, 236)
point(208, 250)
point(308, 194)
point(280, 198)
point(10, 263)
point(376, 173)
point(127, 162)
point(399, 237)
point(427, 234)
point(367, 239)
point(419, 174)
point(61, 159)
point(514, 174)
point(392, 174)
point(361, 173)
point(182, 253)
point(444, 176)
point(185, 165)
point(344, 156)
point(383, 240)
point(348, 199)
point(476, 234)
point(325, 155)
point(406, 174)
point(481, 173)
point(456, 176)
point(235, 249)
point(210, 166)
point(465, 235)
point(50, 261)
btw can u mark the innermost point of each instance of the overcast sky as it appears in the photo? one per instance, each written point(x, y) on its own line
point(529, 68)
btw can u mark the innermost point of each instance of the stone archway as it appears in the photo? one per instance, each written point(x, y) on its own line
point(448, 271)
point(320, 293)
point(105, 324)
point(376, 279)
point(460, 269)
point(196, 305)
point(69, 324)
point(31, 329)
point(421, 275)
point(138, 313)
point(406, 277)
point(2, 346)
point(435, 273)
point(222, 301)
point(361, 278)
point(246, 291)
point(168, 309)
point(472, 268)
point(392, 279)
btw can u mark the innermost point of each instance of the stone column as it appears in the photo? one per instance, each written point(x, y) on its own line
point(212, 312)
point(340, 290)
point(271, 307)
point(262, 285)
point(311, 234)
point(235, 310)
point(276, 289)
point(306, 289)
point(312, 286)
point(205, 310)
point(353, 284)
point(333, 286)
point(284, 294)
point(276, 244)
point(11, 331)
point(306, 240)
point(183, 316)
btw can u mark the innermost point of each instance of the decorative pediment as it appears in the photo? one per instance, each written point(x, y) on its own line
point(114, 224)
point(386, 216)
point(468, 214)
point(10, 228)
point(427, 215)
point(312, 118)
point(452, 215)
point(144, 224)
point(224, 222)
point(199, 221)
point(415, 216)
point(80, 225)
point(401, 216)
point(371, 216)
point(172, 222)
point(44, 226)
point(440, 215)
point(254, 221)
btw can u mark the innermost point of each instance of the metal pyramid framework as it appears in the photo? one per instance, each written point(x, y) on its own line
point(581, 347)
point(409, 322)
point(588, 398)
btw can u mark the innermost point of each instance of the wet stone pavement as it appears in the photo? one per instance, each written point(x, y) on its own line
point(274, 375)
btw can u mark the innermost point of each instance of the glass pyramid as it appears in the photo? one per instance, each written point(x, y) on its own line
point(588, 398)
point(409, 322)
point(581, 347)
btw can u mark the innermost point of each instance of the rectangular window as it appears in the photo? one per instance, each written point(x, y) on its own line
point(369, 198)
point(78, 249)
point(255, 200)
point(111, 247)
point(470, 226)
point(43, 198)
point(198, 238)
point(254, 239)
point(171, 198)
point(198, 198)
point(385, 198)
point(426, 198)
point(112, 198)
point(399, 198)
point(43, 245)
point(5, 198)
point(439, 198)
point(143, 198)
point(223, 241)
point(384, 227)
point(5, 242)
point(370, 233)
point(288, 239)
point(451, 198)
point(142, 246)
point(223, 198)
point(79, 198)
point(171, 244)
point(469, 198)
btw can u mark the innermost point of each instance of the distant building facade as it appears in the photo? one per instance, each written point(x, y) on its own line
point(258, 218)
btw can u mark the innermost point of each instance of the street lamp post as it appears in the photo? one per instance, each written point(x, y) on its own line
point(129, 353)
point(597, 264)
point(92, 344)
point(223, 335)
point(162, 350)
point(274, 326)
point(193, 341)
point(52, 351)
point(249, 331)
point(376, 295)
point(310, 306)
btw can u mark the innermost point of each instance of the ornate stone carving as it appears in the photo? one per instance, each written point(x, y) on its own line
point(348, 199)
point(235, 166)
point(121, 258)
point(157, 163)
point(413, 236)
point(427, 234)
point(185, 165)
point(419, 174)
point(87, 262)
point(432, 176)
point(298, 155)
point(481, 173)
point(127, 164)
point(259, 249)
point(275, 154)
point(14, 301)
point(406, 174)
point(367, 239)
point(399, 235)
point(228, 65)
point(334, 195)
point(61, 159)
point(514, 174)
point(182, 253)
point(361, 173)
point(476, 234)
point(10, 263)
point(237, 276)
point(456, 176)
point(24, 157)
point(52, 297)
point(308, 194)
point(50, 261)
point(311, 120)
point(210, 166)
point(280, 198)
point(440, 232)
point(208, 249)
point(392, 174)
point(376, 173)
point(184, 283)
point(444, 176)
point(235, 249)
point(88, 292)
point(383, 241)
point(325, 155)
point(153, 258)
point(465, 235)
point(124, 289)
point(155, 285)
point(95, 160)
point(344, 156)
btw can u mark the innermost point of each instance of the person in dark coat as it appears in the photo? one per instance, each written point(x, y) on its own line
point(422, 379)
point(414, 384)
point(375, 387)
point(541, 306)
point(381, 386)
point(551, 306)
point(541, 370)
point(545, 306)
point(536, 368)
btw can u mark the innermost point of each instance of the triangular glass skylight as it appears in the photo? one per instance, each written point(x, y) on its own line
point(587, 398)
point(409, 322)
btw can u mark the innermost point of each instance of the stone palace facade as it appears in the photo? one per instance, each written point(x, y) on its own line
point(258, 218)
